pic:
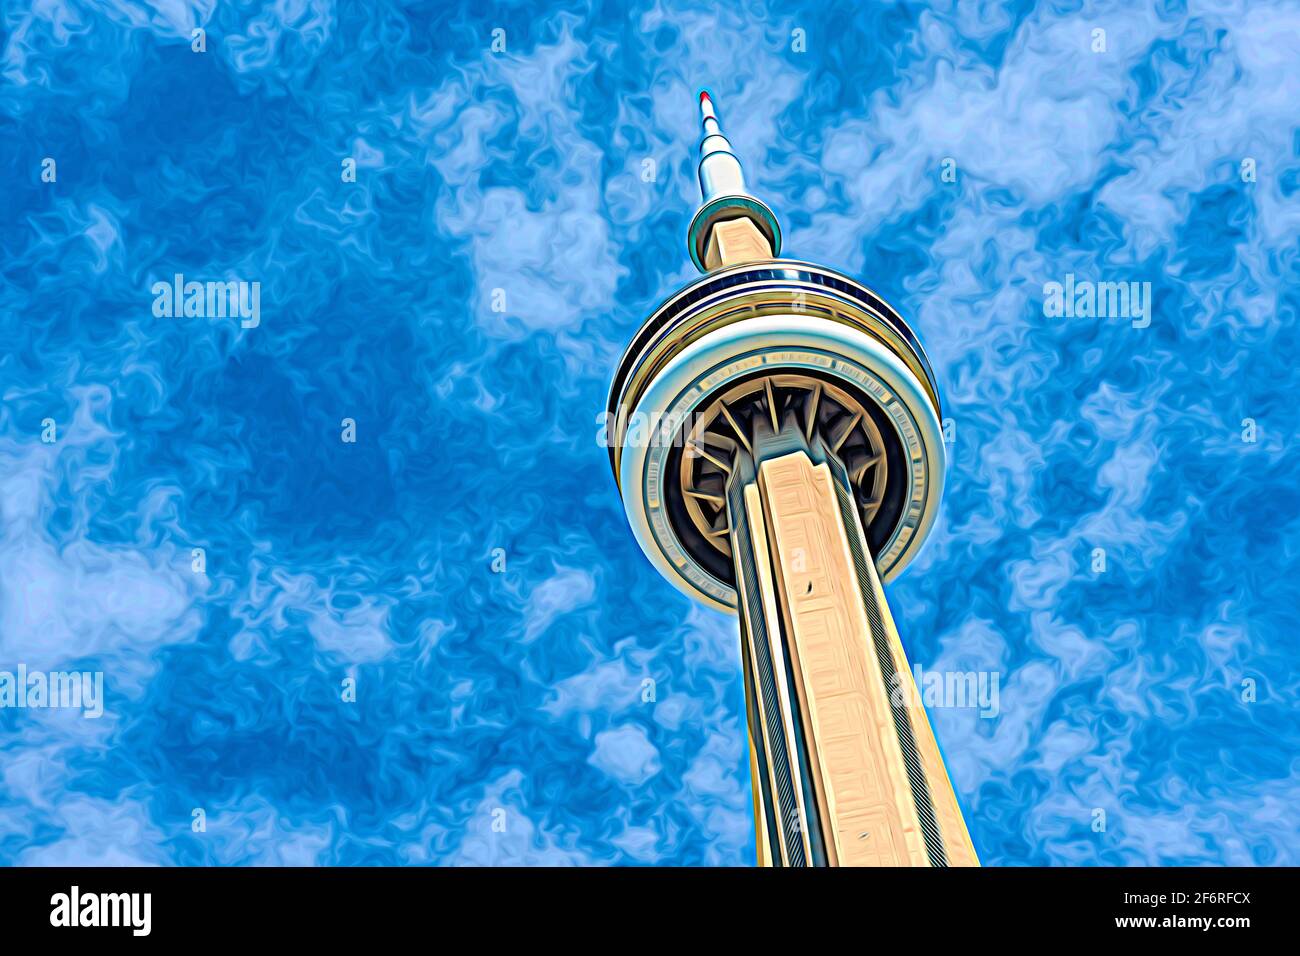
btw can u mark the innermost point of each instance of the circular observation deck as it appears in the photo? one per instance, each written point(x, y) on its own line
point(785, 343)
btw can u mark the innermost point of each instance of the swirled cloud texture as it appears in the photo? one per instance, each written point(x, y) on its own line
point(438, 643)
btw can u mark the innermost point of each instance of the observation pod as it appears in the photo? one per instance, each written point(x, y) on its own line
point(757, 341)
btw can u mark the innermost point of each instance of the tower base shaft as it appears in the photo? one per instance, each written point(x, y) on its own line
point(846, 768)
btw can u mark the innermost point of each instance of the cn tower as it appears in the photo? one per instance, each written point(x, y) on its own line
point(776, 440)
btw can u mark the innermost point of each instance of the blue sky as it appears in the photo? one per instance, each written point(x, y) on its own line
point(502, 717)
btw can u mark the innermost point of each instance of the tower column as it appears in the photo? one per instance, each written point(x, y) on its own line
point(847, 769)
point(805, 467)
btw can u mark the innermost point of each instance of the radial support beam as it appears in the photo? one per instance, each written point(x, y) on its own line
point(847, 770)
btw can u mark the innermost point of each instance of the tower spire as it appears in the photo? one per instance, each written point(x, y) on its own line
point(731, 226)
point(720, 170)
